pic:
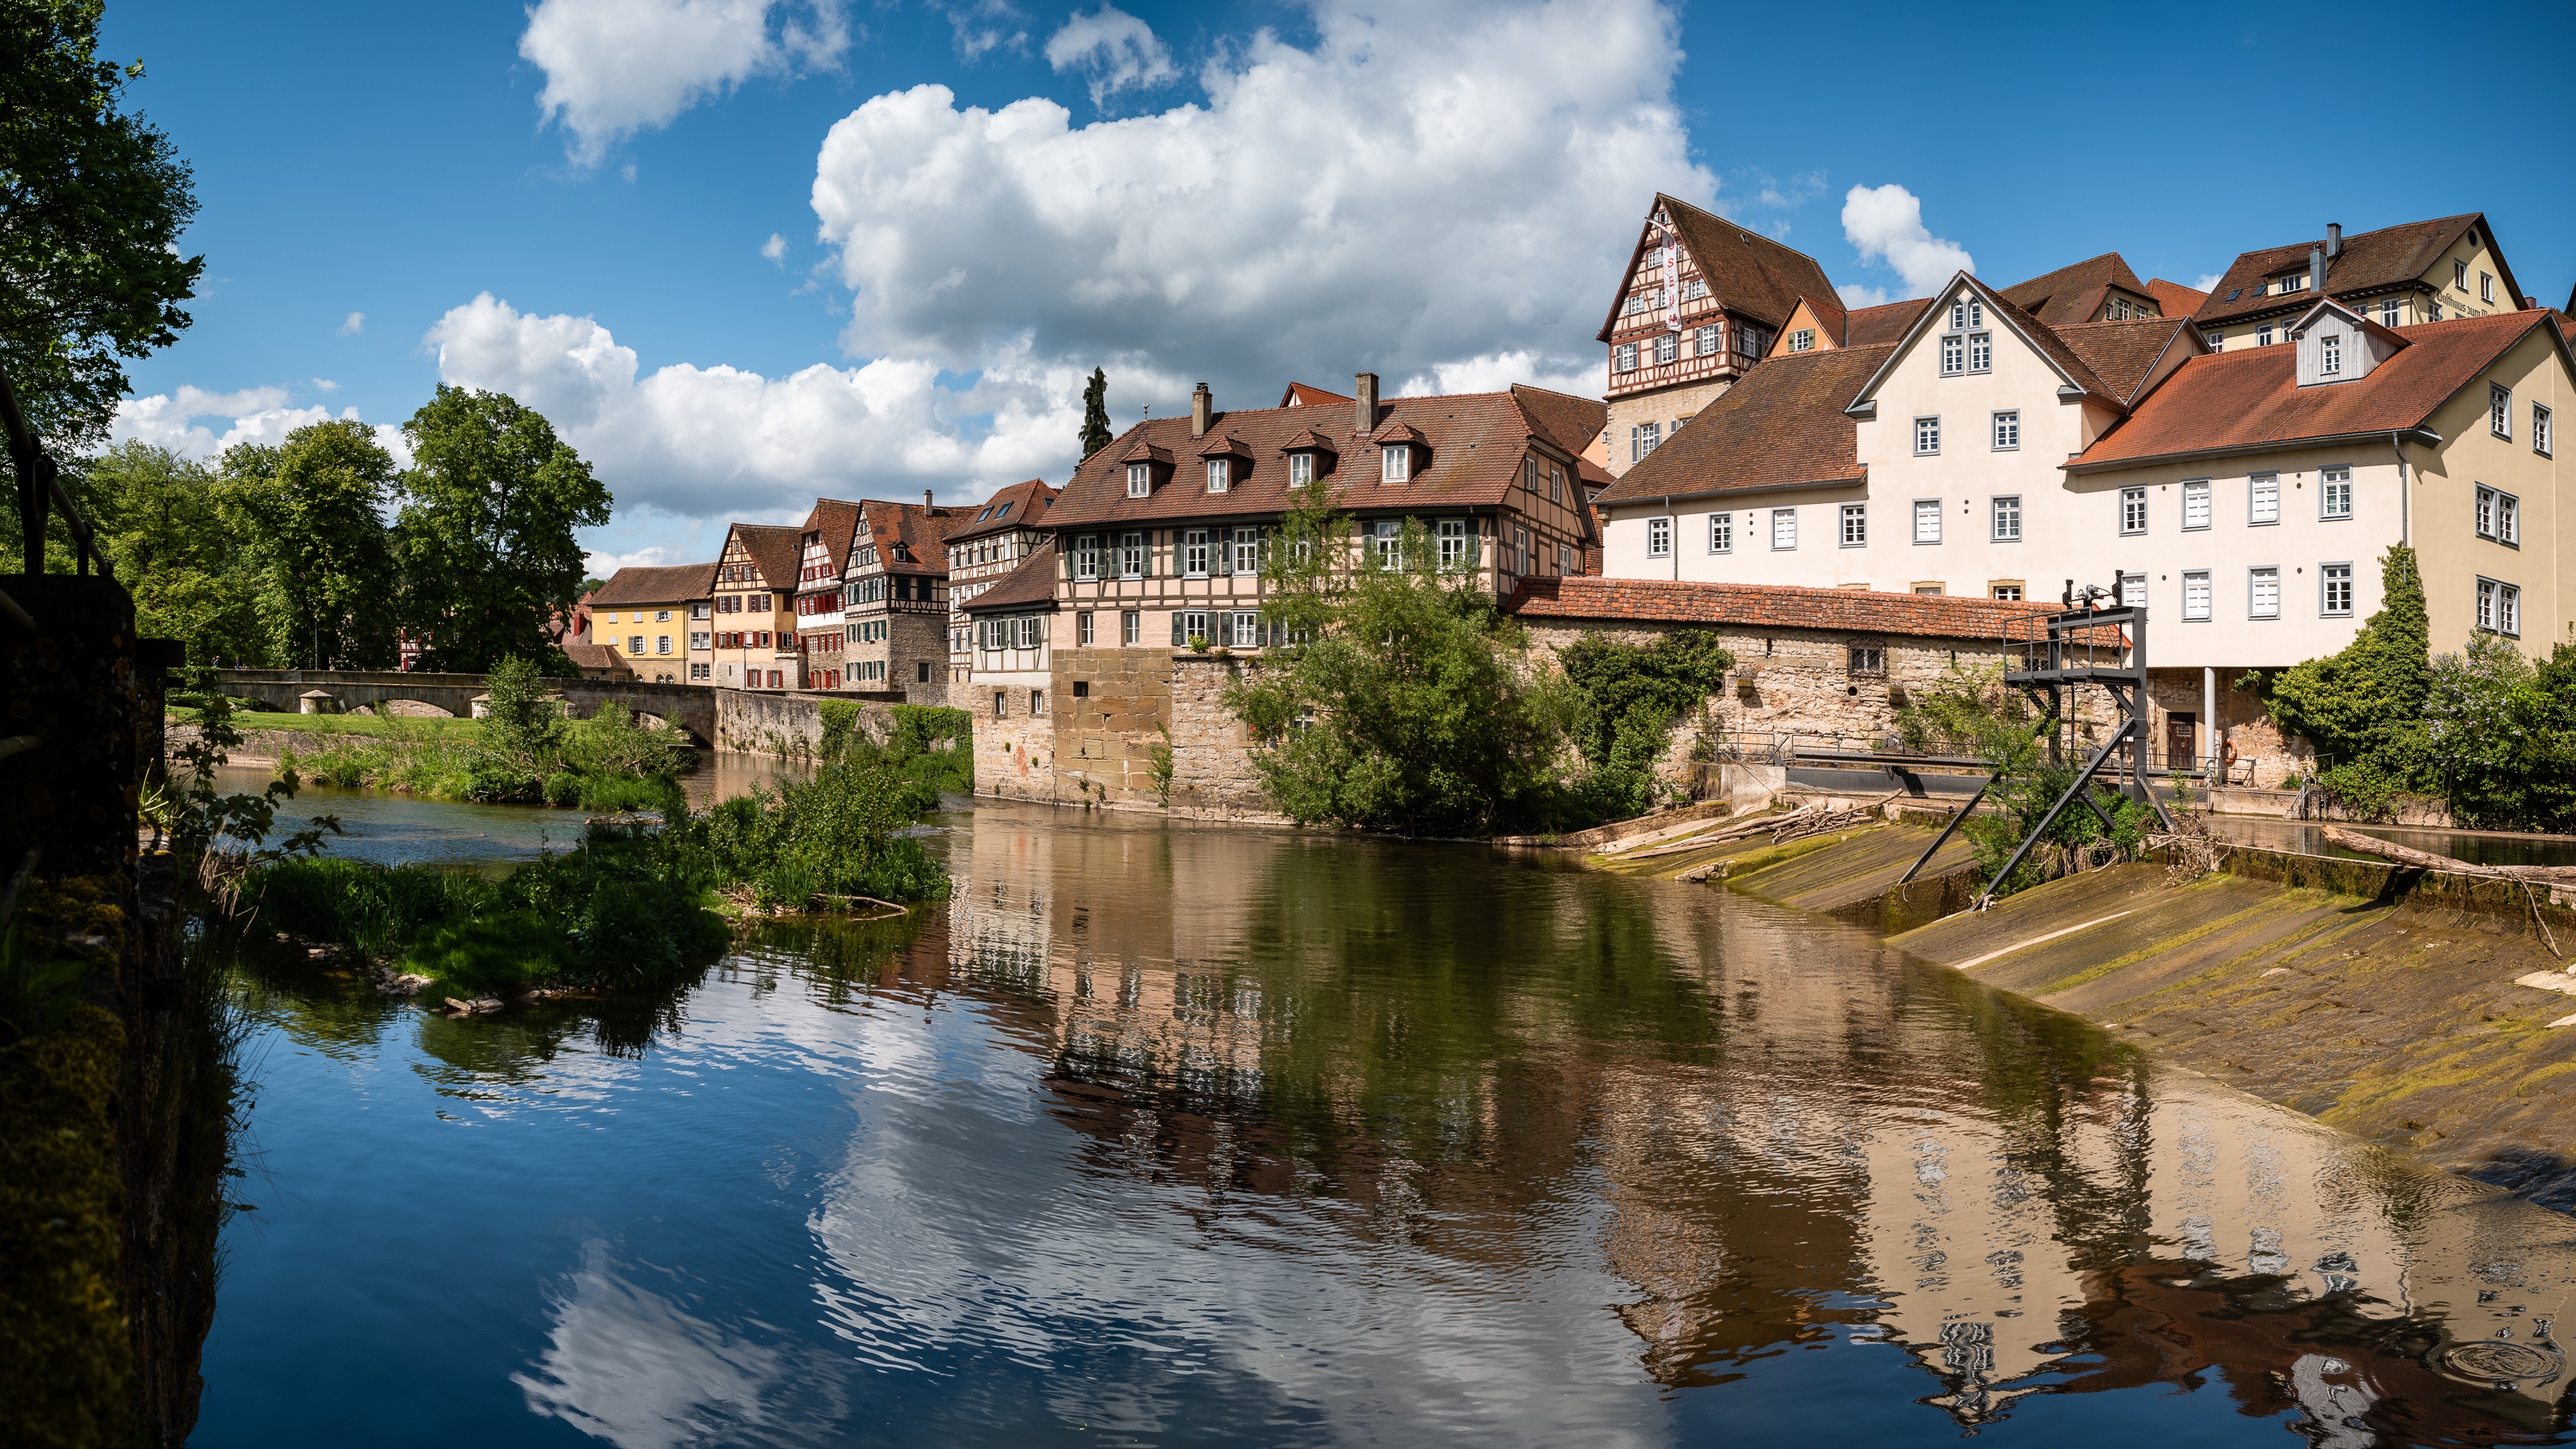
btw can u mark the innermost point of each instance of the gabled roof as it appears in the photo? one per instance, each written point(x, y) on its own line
point(1828, 314)
point(2176, 299)
point(2073, 370)
point(2250, 399)
point(601, 657)
point(1783, 426)
point(773, 548)
point(2073, 293)
point(836, 521)
point(678, 583)
point(1022, 505)
point(1305, 395)
point(1885, 323)
point(2353, 316)
point(1570, 422)
point(1745, 271)
point(2370, 261)
point(920, 529)
point(2124, 354)
point(1476, 442)
point(1032, 583)
point(1775, 606)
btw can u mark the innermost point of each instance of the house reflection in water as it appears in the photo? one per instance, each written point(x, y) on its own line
point(1774, 1131)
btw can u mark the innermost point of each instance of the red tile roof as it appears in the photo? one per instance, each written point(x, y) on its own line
point(1745, 271)
point(1887, 322)
point(1775, 606)
point(1303, 395)
point(1476, 442)
point(2250, 398)
point(837, 524)
point(1032, 583)
point(2073, 293)
point(1781, 427)
point(774, 548)
point(655, 585)
point(1022, 505)
point(2123, 354)
point(596, 658)
point(2177, 299)
point(1572, 423)
point(920, 529)
point(2370, 261)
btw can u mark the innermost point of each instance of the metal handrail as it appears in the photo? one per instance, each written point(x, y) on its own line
point(40, 490)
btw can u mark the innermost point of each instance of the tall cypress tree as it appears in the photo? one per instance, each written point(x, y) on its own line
point(1095, 414)
point(2366, 703)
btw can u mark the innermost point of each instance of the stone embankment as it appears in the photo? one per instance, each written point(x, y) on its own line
point(2424, 1010)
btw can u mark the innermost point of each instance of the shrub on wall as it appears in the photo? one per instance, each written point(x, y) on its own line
point(1626, 699)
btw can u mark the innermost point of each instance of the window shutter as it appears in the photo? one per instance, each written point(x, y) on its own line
point(1180, 640)
point(1148, 570)
point(1064, 560)
point(1222, 540)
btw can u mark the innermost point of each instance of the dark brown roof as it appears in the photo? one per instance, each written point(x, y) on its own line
point(1303, 395)
point(1476, 442)
point(1775, 606)
point(1832, 318)
point(1572, 423)
point(1782, 426)
point(774, 548)
point(2371, 261)
point(1022, 505)
point(1746, 272)
point(837, 523)
point(595, 657)
point(2072, 293)
point(2250, 398)
point(920, 529)
point(1033, 582)
point(1885, 323)
point(2122, 354)
point(655, 585)
point(2177, 299)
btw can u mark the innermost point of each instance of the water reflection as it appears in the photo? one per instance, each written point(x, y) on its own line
point(1205, 1135)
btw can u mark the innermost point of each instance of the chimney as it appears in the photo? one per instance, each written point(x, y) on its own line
point(2334, 240)
point(2317, 270)
point(1364, 387)
point(1202, 402)
point(925, 500)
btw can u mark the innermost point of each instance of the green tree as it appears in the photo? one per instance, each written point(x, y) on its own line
point(92, 201)
point(1095, 413)
point(486, 531)
point(1395, 705)
point(168, 525)
point(312, 515)
point(2364, 706)
point(2501, 735)
point(1626, 698)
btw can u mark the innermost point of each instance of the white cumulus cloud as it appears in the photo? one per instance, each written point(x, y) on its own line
point(1115, 49)
point(2207, 281)
point(1885, 224)
point(775, 248)
point(719, 441)
point(179, 420)
point(615, 67)
point(356, 323)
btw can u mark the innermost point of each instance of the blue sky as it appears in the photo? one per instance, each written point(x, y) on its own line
point(575, 201)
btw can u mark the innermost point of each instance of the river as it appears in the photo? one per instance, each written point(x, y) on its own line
point(1163, 1134)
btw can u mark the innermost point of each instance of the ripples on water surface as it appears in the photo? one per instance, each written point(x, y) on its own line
point(1197, 1136)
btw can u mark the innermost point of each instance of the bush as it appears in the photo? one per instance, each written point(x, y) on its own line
point(833, 836)
point(2363, 706)
point(1626, 700)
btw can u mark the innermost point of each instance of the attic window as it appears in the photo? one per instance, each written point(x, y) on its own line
point(1002, 511)
point(1802, 340)
point(2235, 292)
point(1301, 469)
point(1395, 462)
point(1140, 480)
point(1220, 474)
point(2330, 354)
point(2295, 282)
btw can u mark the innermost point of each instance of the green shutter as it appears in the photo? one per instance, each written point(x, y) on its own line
point(1180, 635)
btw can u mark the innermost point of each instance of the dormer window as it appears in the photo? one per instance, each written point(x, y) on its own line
point(1395, 463)
point(2295, 282)
point(2330, 354)
point(1301, 469)
point(1140, 480)
point(1220, 474)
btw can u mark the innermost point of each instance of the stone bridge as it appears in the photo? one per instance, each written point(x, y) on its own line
point(691, 707)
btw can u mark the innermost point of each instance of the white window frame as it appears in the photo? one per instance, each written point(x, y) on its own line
point(1555, 484)
point(1623, 358)
point(2327, 578)
point(1803, 340)
point(1388, 536)
point(1721, 533)
point(2334, 485)
point(2131, 590)
point(2499, 608)
point(1784, 525)
point(1853, 530)
point(2257, 495)
point(1135, 554)
point(2190, 577)
point(2486, 286)
point(1194, 553)
point(1086, 558)
point(1954, 354)
point(1246, 631)
point(1082, 628)
point(2255, 578)
point(1927, 429)
point(1705, 342)
point(1927, 511)
point(1301, 469)
point(1981, 352)
point(2330, 355)
point(2196, 490)
point(2005, 508)
point(1643, 439)
point(2541, 442)
point(1247, 551)
point(1140, 480)
point(1220, 475)
point(2508, 519)
point(2007, 430)
point(1659, 537)
point(2500, 410)
point(1395, 463)
point(2133, 511)
point(2390, 309)
point(1668, 348)
point(1131, 627)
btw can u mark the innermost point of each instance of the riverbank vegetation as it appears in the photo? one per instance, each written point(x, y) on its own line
point(1968, 710)
point(1397, 697)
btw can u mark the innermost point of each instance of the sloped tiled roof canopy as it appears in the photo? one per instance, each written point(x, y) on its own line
point(2370, 261)
point(1783, 426)
point(655, 585)
point(1022, 505)
point(1030, 585)
point(2074, 293)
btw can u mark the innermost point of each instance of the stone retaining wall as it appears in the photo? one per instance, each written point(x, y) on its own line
point(789, 724)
